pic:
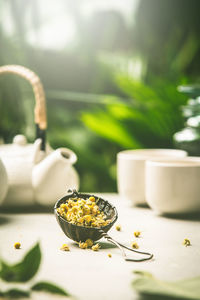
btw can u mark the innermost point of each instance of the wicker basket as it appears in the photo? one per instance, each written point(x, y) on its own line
point(40, 102)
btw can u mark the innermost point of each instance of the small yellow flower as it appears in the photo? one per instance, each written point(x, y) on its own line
point(80, 220)
point(118, 227)
point(135, 245)
point(137, 234)
point(65, 247)
point(70, 203)
point(92, 199)
point(82, 245)
point(86, 209)
point(96, 247)
point(64, 207)
point(87, 218)
point(94, 224)
point(186, 242)
point(75, 209)
point(17, 245)
point(95, 210)
point(109, 255)
point(89, 242)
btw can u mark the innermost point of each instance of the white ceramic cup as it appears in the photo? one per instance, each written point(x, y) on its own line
point(131, 171)
point(173, 186)
point(3, 181)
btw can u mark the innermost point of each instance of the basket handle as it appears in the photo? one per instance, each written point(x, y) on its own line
point(40, 105)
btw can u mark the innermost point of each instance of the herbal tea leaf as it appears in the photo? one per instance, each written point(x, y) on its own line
point(30, 264)
point(15, 293)
point(49, 287)
point(8, 272)
point(110, 128)
point(147, 284)
point(24, 270)
point(143, 273)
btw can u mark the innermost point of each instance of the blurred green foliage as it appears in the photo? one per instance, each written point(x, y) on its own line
point(149, 120)
point(24, 271)
point(114, 89)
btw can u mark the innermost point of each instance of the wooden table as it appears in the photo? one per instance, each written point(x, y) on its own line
point(93, 275)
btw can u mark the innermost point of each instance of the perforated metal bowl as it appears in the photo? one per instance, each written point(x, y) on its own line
point(82, 233)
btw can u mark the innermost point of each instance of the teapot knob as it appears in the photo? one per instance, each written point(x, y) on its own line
point(20, 140)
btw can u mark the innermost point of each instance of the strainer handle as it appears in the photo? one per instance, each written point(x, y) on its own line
point(121, 246)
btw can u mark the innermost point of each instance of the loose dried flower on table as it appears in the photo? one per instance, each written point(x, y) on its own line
point(17, 245)
point(137, 234)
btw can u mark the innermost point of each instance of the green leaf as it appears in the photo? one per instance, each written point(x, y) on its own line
point(15, 293)
point(143, 273)
point(24, 270)
point(49, 287)
point(147, 284)
point(110, 128)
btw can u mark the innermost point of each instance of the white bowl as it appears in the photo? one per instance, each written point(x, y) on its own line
point(173, 186)
point(131, 171)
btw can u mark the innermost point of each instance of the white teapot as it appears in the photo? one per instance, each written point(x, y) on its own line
point(35, 173)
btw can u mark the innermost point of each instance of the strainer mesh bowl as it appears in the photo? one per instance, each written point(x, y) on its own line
point(82, 233)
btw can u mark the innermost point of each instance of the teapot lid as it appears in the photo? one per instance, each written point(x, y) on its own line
point(19, 148)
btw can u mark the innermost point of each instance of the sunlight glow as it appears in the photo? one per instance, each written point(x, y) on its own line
point(57, 21)
point(53, 35)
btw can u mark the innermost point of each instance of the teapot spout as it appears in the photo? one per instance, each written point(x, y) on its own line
point(53, 175)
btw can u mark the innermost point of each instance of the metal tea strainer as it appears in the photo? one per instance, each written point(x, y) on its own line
point(82, 233)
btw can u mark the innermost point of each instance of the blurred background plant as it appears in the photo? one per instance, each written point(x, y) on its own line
point(110, 71)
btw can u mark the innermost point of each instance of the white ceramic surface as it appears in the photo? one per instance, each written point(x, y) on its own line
point(109, 278)
point(173, 186)
point(3, 182)
point(131, 171)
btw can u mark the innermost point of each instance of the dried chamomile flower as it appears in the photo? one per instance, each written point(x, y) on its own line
point(109, 255)
point(137, 234)
point(89, 242)
point(65, 247)
point(87, 219)
point(92, 199)
point(17, 245)
point(83, 212)
point(186, 242)
point(96, 247)
point(134, 245)
point(82, 245)
point(118, 227)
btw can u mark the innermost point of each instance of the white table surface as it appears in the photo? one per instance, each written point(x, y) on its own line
point(93, 275)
